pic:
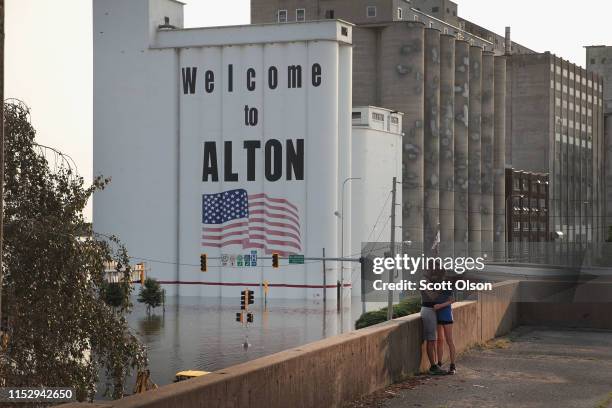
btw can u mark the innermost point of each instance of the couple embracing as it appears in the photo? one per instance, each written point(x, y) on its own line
point(437, 317)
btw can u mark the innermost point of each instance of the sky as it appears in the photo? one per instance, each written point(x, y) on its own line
point(48, 52)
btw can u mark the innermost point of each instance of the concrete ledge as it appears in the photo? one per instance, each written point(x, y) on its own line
point(329, 372)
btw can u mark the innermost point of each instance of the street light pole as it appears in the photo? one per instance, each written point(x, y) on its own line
point(342, 236)
point(392, 273)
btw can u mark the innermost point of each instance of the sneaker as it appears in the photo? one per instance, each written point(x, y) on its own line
point(435, 370)
point(452, 369)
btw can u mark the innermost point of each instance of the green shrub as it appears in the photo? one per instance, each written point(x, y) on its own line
point(151, 294)
point(403, 308)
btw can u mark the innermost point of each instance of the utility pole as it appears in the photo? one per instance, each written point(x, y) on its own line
point(392, 251)
point(1, 154)
point(324, 283)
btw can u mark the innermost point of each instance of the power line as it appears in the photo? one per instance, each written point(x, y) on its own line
point(379, 215)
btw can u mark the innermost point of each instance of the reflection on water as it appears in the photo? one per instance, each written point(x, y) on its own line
point(202, 333)
point(150, 325)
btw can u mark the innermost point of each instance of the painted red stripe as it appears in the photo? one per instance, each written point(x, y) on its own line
point(274, 200)
point(274, 285)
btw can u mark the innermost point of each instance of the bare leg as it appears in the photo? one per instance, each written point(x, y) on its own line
point(440, 343)
point(431, 351)
point(448, 334)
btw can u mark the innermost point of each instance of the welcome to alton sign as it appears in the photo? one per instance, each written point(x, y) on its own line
point(264, 146)
point(228, 141)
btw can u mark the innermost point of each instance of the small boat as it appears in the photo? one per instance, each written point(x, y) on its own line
point(189, 374)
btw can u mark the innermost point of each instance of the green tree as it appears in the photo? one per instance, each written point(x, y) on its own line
point(151, 294)
point(61, 332)
point(114, 293)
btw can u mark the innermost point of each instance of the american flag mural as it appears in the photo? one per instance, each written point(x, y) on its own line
point(255, 221)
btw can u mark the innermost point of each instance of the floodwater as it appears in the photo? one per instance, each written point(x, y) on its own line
point(196, 333)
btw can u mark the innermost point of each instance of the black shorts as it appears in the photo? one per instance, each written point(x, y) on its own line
point(445, 322)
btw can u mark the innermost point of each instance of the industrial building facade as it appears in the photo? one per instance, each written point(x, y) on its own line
point(450, 86)
point(599, 61)
point(555, 125)
point(552, 117)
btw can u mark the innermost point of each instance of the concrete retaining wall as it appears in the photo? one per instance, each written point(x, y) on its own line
point(329, 372)
point(566, 304)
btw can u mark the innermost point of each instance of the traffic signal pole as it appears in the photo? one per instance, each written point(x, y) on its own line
point(306, 258)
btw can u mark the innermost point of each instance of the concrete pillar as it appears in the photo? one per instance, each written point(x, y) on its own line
point(597, 181)
point(462, 93)
point(499, 159)
point(487, 145)
point(447, 144)
point(592, 174)
point(401, 79)
point(594, 169)
point(431, 138)
point(474, 151)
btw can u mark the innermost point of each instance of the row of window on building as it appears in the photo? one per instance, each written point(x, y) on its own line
point(282, 16)
point(579, 94)
point(379, 117)
point(567, 104)
point(300, 14)
point(579, 79)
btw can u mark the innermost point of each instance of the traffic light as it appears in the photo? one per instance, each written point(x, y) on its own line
point(239, 317)
point(243, 299)
point(249, 317)
point(275, 260)
point(247, 297)
point(203, 263)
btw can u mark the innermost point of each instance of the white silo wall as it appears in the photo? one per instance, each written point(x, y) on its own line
point(287, 117)
point(151, 137)
point(376, 159)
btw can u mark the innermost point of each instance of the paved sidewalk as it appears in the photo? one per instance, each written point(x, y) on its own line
point(532, 367)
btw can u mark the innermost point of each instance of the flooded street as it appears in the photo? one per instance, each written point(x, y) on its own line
point(202, 333)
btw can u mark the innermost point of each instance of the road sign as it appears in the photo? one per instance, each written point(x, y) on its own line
point(296, 259)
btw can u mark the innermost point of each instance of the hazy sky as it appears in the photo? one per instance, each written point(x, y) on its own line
point(49, 51)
